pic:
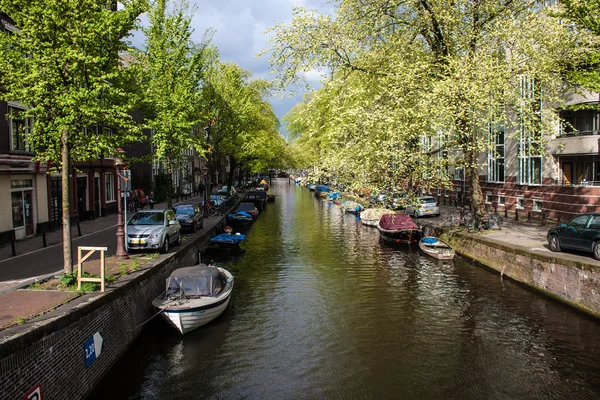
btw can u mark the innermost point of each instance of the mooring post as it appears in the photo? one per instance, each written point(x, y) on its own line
point(543, 218)
point(505, 212)
point(13, 241)
point(44, 238)
point(529, 217)
point(558, 221)
point(516, 214)
point(78, 228)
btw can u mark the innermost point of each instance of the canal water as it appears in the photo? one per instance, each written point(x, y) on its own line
point(322, 308)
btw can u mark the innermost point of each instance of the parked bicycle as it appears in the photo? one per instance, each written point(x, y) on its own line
point(215, 210)
point(494, 221)
point(461, 216)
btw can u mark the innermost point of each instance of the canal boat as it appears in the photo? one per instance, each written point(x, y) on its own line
point(352, 207)
point(227, 240)
point(399, 228)
point(436, 248)
point(371, 216)
point(239, 219)
point(194, 296)
point(259, 198)
point(250, 208)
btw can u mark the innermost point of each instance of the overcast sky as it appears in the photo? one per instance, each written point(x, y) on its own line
point(238, 26)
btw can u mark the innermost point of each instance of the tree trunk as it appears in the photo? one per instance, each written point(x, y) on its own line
point(66, 203)
point(170, 185)
point(472, 180)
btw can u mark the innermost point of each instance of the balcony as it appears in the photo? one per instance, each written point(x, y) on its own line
point(582, 143)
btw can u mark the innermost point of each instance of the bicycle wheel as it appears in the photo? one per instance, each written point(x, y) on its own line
point(212, 211)
point(450, 219)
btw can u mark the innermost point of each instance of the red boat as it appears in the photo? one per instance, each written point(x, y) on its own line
point(399, 228)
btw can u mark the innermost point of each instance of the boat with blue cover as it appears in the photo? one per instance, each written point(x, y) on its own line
point(436, 248)
point(239, 219)
point(226, 240)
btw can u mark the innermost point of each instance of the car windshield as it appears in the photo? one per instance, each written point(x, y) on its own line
point(428, 200)
point(147, 218)
point(184, 210)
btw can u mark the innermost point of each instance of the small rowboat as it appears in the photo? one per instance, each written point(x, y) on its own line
point(436, 248)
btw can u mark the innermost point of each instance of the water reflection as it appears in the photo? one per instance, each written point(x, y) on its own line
point(323, 309)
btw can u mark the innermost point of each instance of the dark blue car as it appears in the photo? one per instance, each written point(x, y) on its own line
point(581, 233)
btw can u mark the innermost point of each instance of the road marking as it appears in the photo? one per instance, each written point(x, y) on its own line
point(54, 245)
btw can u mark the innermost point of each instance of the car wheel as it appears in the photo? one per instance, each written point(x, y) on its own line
point(178, 241)
point(596, 250)
point(165, 248)
point(202, 224)
point(194, 229)
point(555, 244)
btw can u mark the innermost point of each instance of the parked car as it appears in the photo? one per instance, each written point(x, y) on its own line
point(227, 191)
point(580, 233)
point(189, 216)
point(427, 205)
point(153, 230)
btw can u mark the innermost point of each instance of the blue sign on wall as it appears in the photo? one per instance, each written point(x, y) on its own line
point(92, 348)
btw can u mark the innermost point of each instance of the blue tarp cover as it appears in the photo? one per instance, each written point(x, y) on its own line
point(430, 240)
point(228, 237)
point(238, 214)
point(322, 188)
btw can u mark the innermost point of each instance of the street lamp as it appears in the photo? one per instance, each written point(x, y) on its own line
point(121, 250)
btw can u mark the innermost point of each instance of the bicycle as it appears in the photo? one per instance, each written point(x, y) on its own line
point(462, 218)
point(215, 210)
point(475, 224)
point(494, 222)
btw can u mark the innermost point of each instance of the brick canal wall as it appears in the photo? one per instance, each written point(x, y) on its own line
point(572, 282)
point(49, 350)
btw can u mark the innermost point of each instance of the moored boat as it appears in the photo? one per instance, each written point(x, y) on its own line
point(399, 228)
point(194, 296)
point(239, 219)
point(436, 248)
point(259, 198)
point(225, 240)
point(352, 207)
point(371, 216)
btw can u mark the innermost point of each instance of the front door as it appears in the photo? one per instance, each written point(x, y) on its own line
point(567, 168)
point(81, 199)
point(28, 211)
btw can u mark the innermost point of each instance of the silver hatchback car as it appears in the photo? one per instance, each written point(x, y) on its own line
point(428, 205)
point(153, 230)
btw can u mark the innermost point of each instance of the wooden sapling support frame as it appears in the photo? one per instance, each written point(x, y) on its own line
point(91, 250)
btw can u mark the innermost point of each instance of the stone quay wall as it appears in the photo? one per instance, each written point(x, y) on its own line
point(572, 282)
point(48, 352)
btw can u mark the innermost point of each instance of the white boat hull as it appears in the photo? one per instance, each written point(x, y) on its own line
point(187, 321)
point(189, 314)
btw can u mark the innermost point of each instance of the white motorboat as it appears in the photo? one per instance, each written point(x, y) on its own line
point(195, 296)
point(371, 216)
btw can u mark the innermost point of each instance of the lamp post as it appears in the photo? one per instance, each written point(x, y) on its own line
point(121, 250)
point(206, 190)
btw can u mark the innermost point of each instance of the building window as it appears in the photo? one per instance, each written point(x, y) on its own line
point(496, 153)
point(501, 199)
point(110, 186)
point(19, 129)
point(488, 198)
point(537, 205)
point(520, 202)
point(530, 141)
point(21, 183)
point(18, 216)
point(579, 122)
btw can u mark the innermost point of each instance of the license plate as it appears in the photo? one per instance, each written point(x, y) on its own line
point(429, 211)
point(138, 241)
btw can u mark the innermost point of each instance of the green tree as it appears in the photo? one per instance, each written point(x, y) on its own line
point(63, 63)
point(415, 86)
point(585, 69)
point(171, 69)
point(243, 125)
